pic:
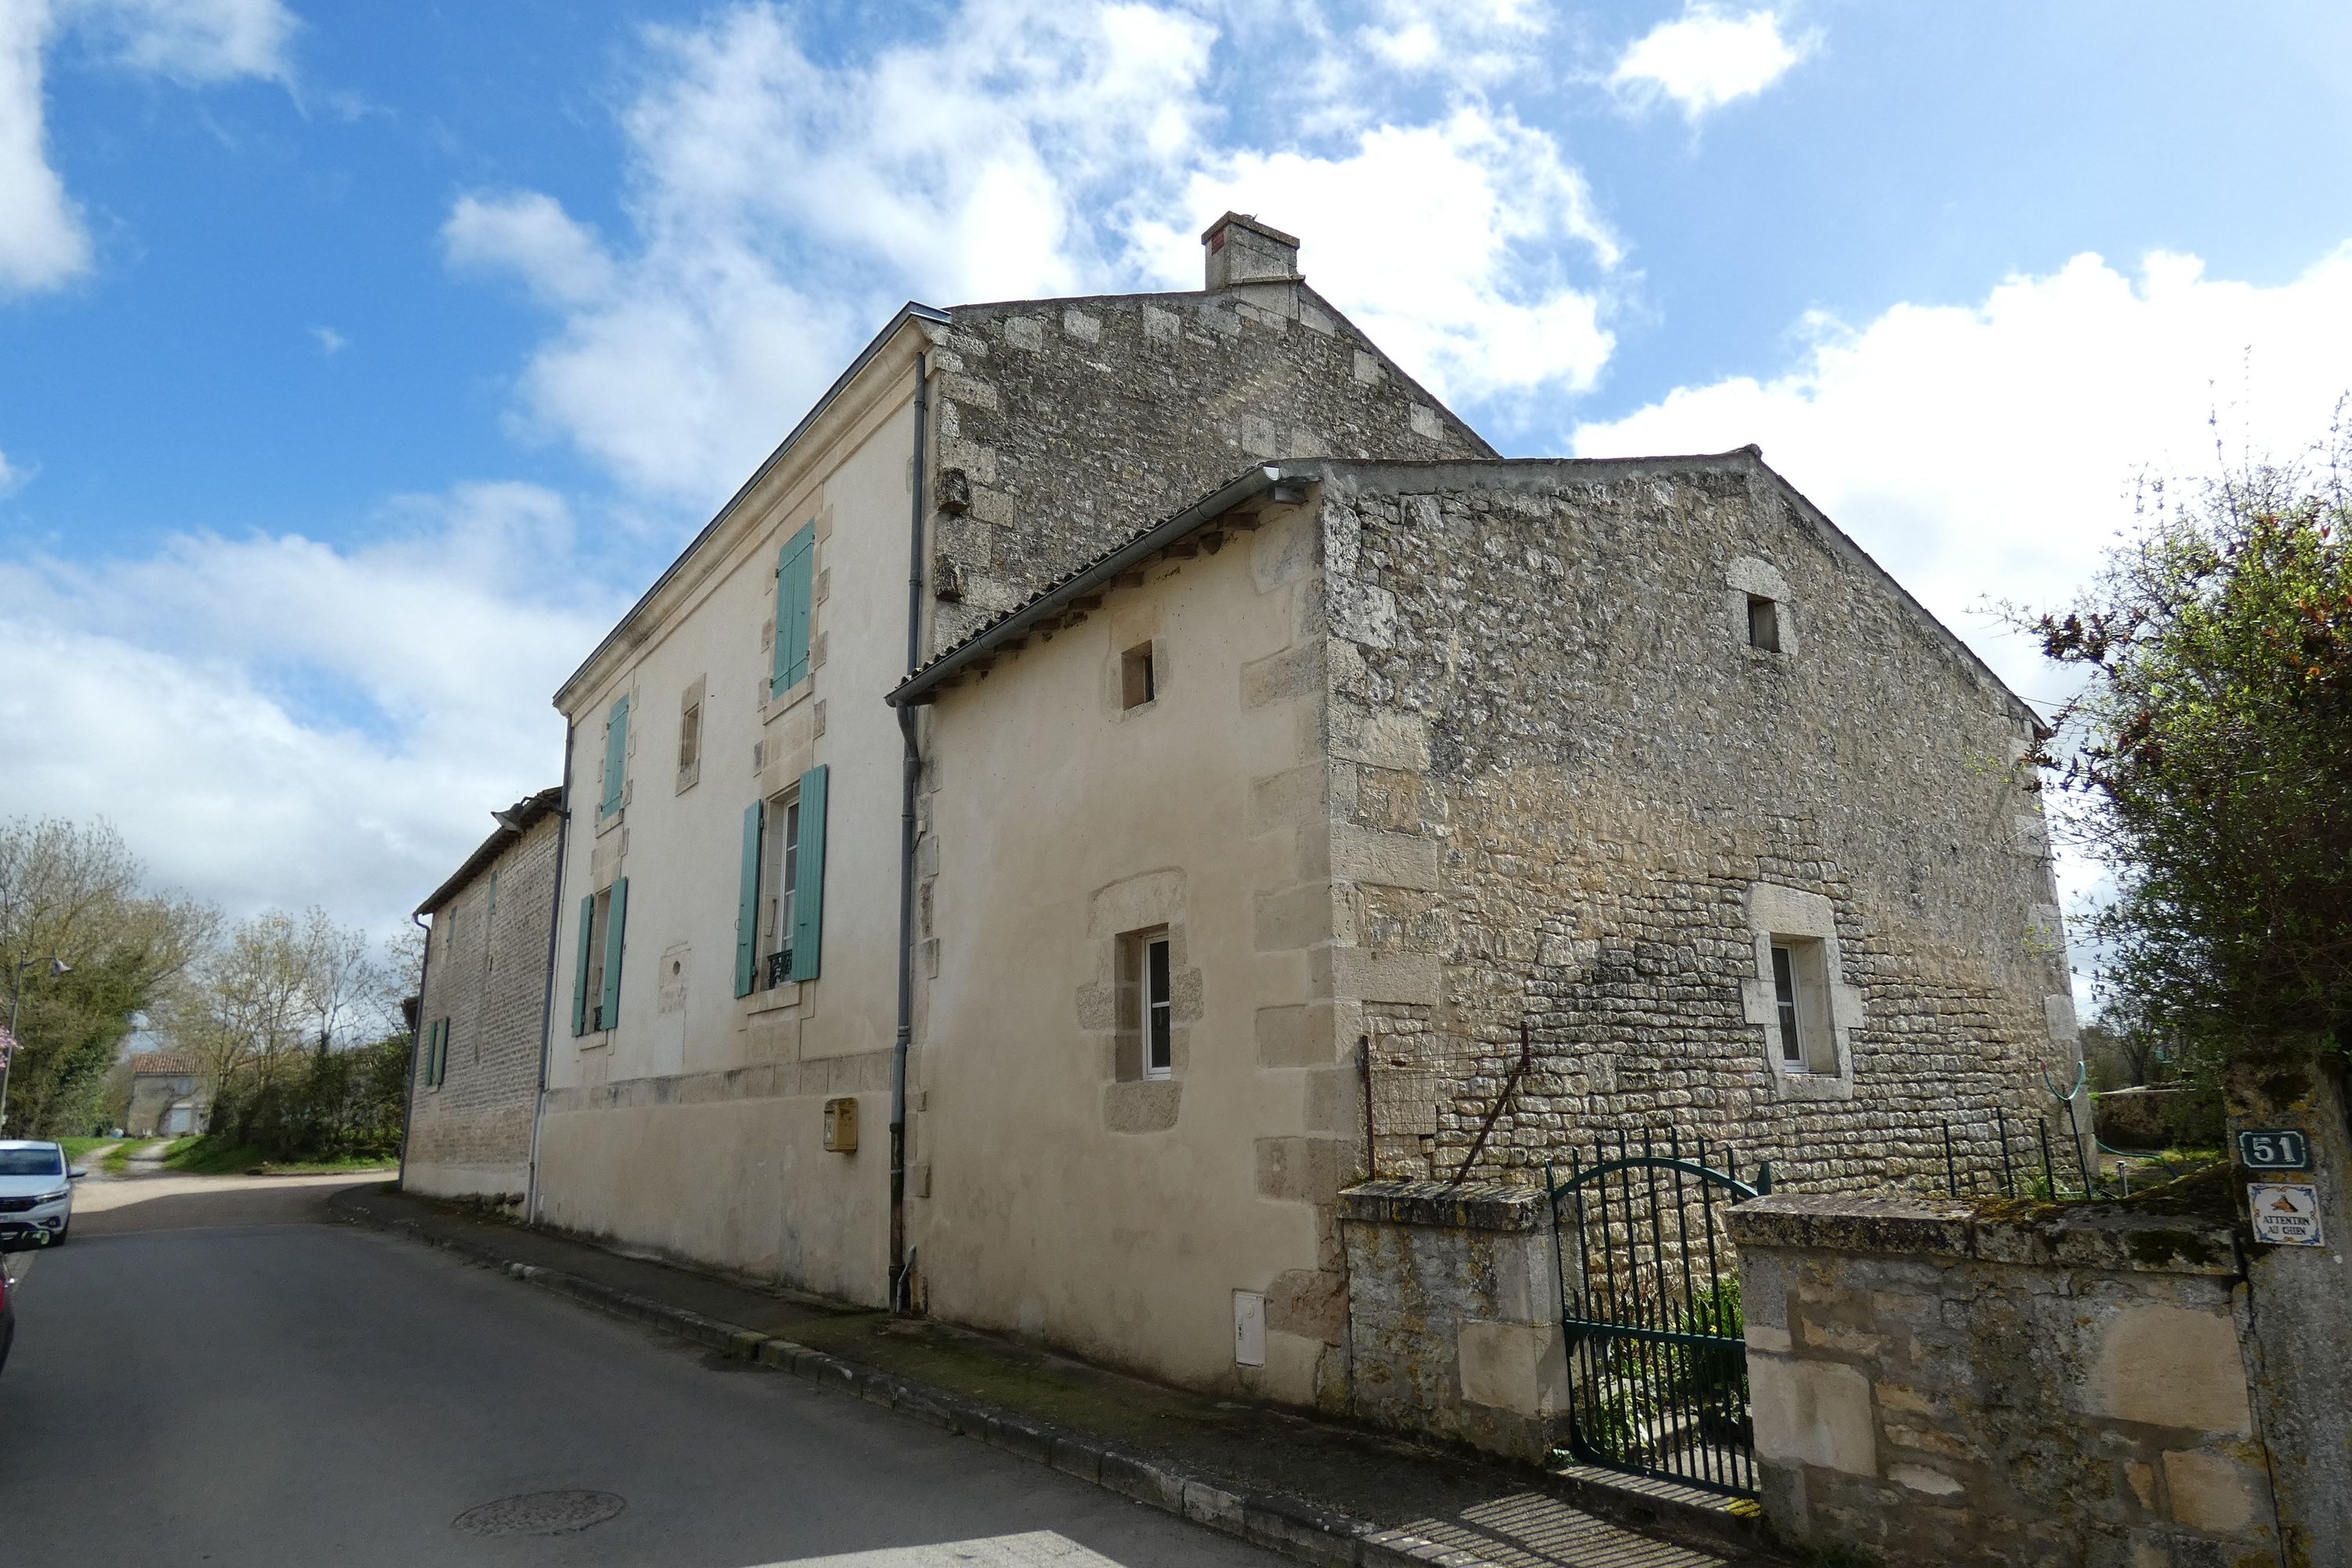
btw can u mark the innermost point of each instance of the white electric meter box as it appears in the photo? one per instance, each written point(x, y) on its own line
point(1249, 1327)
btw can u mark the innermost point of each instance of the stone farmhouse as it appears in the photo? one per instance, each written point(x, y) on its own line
point(1109, 736)
point(481, 1015)
point(164, 1099)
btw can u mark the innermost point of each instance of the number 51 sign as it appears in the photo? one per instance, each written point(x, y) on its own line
point(2274, 1149)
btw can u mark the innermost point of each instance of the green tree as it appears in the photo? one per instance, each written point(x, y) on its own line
point(2207, 760)
point(74, 893)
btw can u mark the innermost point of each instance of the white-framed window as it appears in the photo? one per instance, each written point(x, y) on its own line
point(1147, 1021)
point(1800, 1022)
point(600, 924)
point(780, 867)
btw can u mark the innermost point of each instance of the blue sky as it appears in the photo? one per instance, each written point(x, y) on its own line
point(358, 362)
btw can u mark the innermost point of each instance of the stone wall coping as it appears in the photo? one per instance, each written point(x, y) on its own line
point(2079, 1236)
point(1455, 1205)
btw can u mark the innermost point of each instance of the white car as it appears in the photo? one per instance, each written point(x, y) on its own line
point(35, 1191)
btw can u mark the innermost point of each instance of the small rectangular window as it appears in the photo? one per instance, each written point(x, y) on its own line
point(1763, 623)
point(1158, 1039)
point(1784, 998)
point(690, 737)
point(1138, 681)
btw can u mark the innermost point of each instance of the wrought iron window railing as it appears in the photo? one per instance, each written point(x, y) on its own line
point(779, 968)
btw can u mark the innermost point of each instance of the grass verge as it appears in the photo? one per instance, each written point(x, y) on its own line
point(219, 1157)
point(79, 1151)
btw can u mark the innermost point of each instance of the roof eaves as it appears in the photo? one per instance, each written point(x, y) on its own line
point(911, 310)
point(1049, 601)
point(512, 823)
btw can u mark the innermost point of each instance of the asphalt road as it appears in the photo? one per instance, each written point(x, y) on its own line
point(186, 1388)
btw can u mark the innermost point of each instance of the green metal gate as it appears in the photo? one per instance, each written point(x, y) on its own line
point(1650, 1298)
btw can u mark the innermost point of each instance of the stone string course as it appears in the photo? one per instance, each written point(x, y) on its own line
point(1539, 680)
point(472, 1133)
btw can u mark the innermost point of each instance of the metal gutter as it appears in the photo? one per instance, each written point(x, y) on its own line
point(1249, 487)
point(910, 310)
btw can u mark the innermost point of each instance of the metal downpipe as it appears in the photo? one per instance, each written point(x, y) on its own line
point(910, 776)
point(546, 1001)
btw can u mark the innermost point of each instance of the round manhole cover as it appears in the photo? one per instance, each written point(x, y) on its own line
point(540, 1513)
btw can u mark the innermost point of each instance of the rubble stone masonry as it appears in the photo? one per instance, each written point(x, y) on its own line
point(1566, 789)
point(470, 1134)
point(1061, 427)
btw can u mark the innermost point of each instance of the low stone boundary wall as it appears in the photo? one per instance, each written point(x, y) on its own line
point(1454, 1313)
point(1936, 1387)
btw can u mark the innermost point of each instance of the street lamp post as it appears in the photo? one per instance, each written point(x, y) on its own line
point(16, 1000)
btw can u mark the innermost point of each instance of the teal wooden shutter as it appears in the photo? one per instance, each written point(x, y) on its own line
point(808, 895)
point(579, 974)
point(441, 1056)
point(747, 907)
point(617, 756)
point(615, 917)
point(796, 587)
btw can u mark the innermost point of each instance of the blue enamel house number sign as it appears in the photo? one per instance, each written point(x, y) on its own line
point(2274, 1149)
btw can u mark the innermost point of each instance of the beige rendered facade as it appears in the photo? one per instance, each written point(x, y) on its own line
point(692, 1121)
point(1072, 1194)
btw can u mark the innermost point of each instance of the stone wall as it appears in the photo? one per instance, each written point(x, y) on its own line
point(1934, 1387)
point(1072, 424)
point(470, 1134)
point(1567, 790)
point(1454, 1319)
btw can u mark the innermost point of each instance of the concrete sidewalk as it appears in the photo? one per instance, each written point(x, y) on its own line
point(1317, 1491)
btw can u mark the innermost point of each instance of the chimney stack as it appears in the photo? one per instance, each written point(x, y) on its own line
point(1243, 250)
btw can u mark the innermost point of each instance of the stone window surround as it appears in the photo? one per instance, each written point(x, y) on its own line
point(1773, 910)
point(1149, 902)
point(694, 701)
point(1748, 578)
point(604, 822)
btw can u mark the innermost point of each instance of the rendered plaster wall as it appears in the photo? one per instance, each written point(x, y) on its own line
point(469, 1135)
point(1454, 1313)
point(1565, 790)
point(695, 1125)
point(1054, 1193)
point(1076, 424)
point(1937, 1388)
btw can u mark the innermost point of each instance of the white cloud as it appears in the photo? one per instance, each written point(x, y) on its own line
point(42, 241)
point(1988, 450)
point(778, 208)
point(1707, 59)
point(331, 342)
point(1477, 313)
point(530, 235)
point(334, 724)
point(198, 42)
